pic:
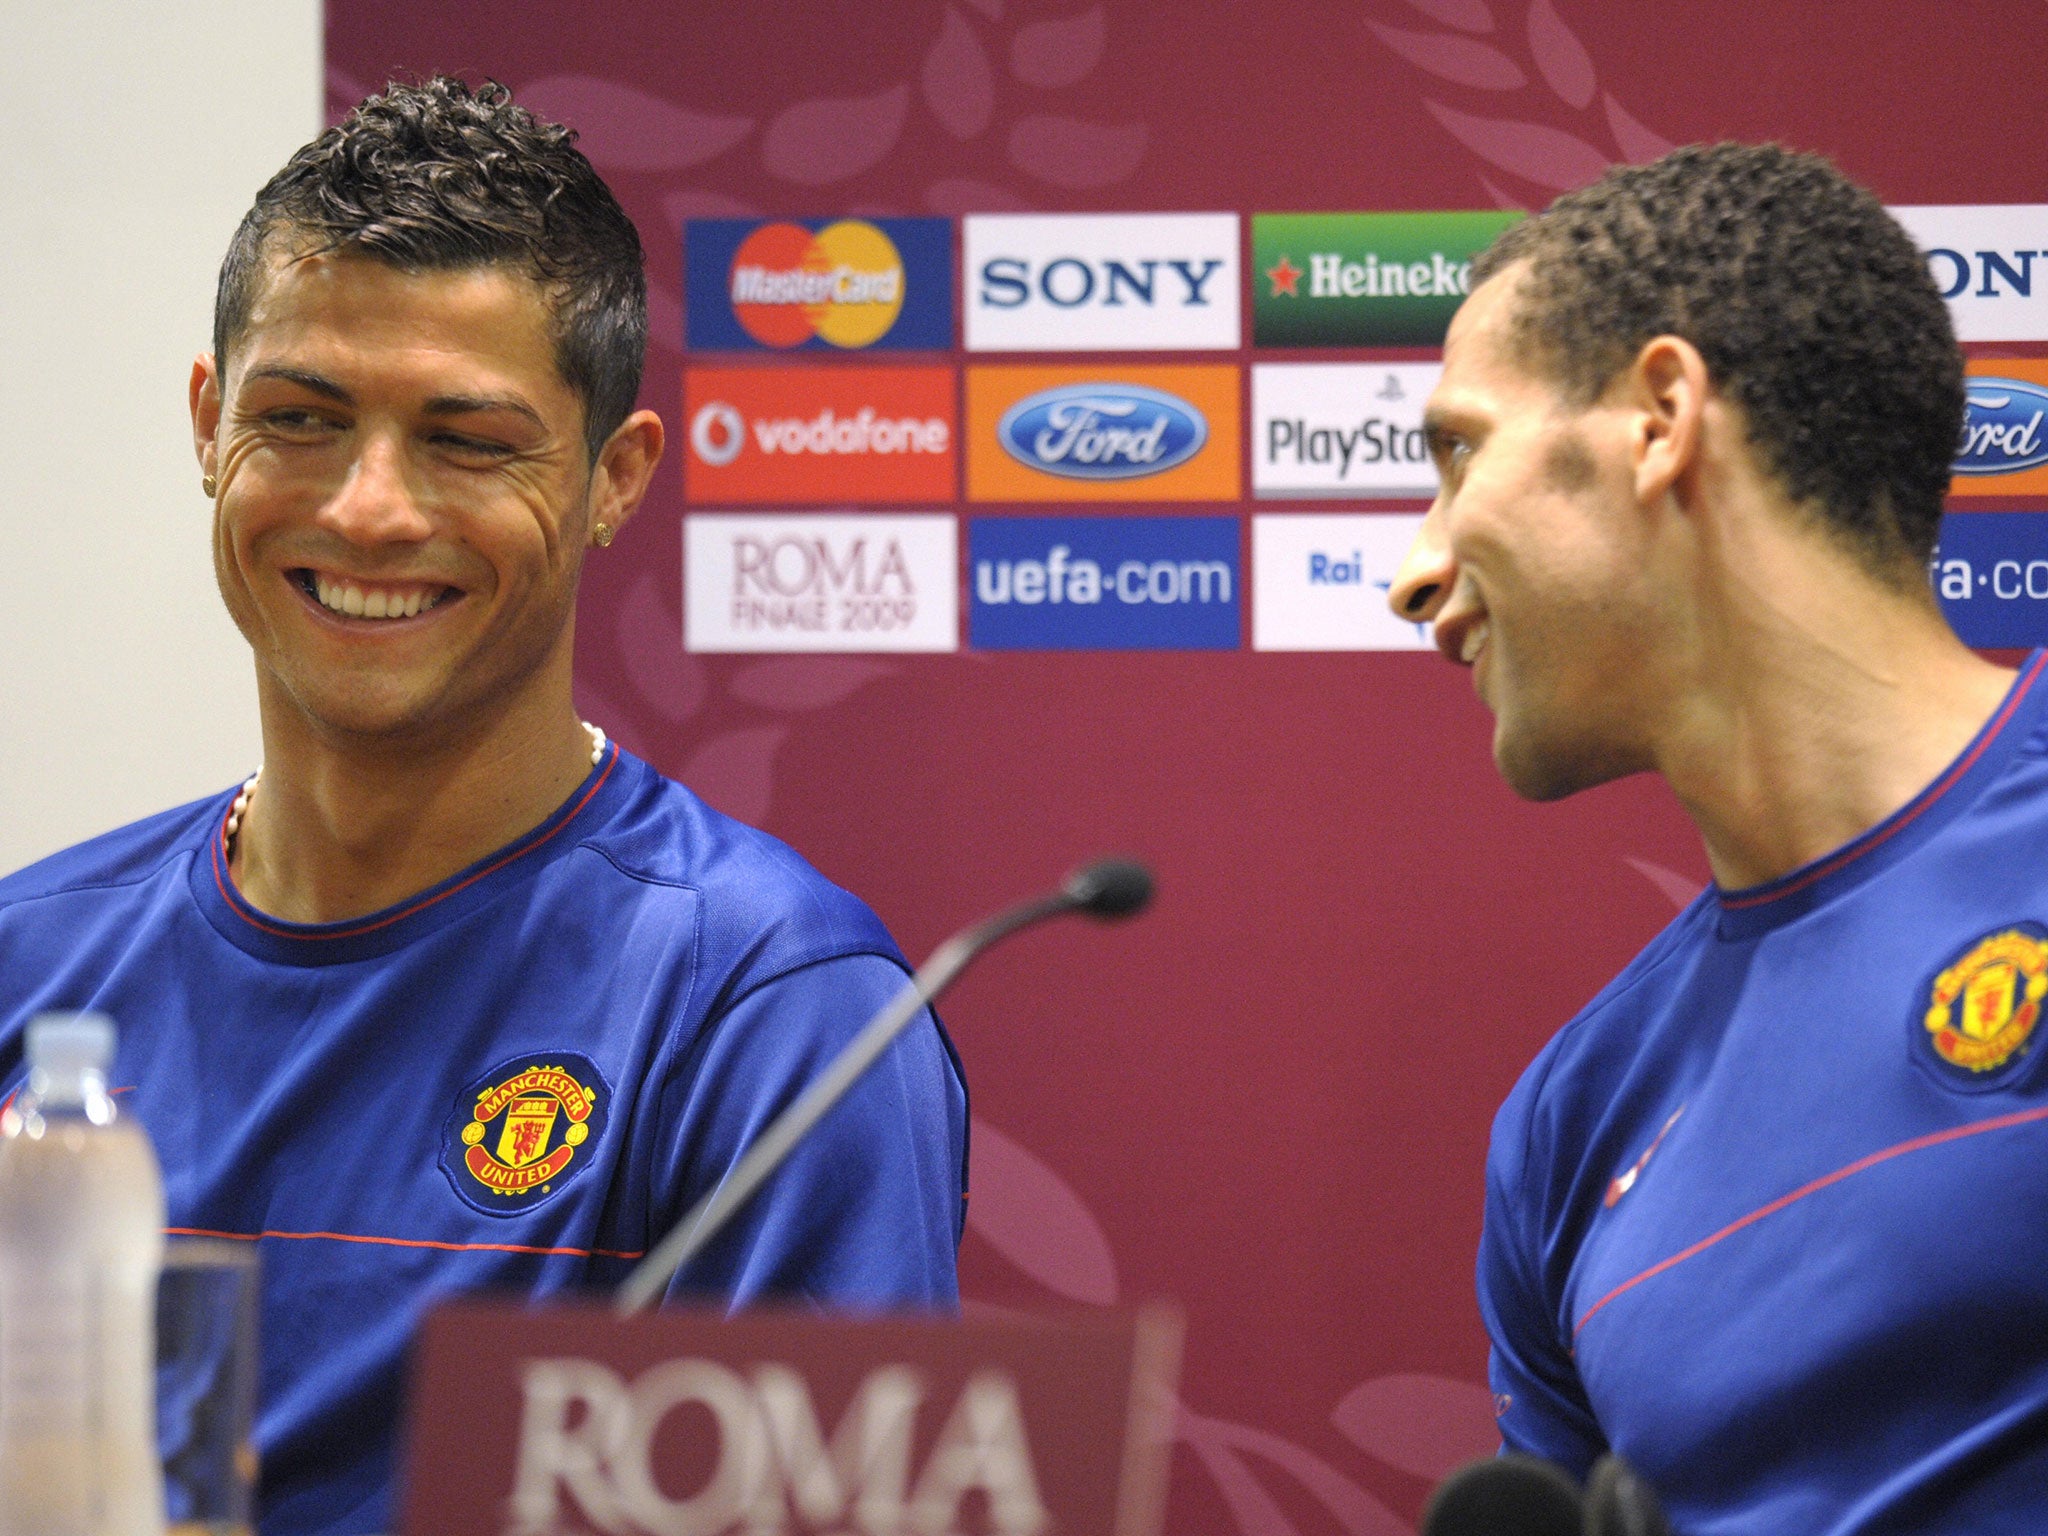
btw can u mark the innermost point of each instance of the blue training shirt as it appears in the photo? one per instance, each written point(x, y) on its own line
point(1770, 1217)
point(516, 1081)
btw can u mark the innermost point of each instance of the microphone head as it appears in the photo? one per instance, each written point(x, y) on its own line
point(1109, 888)
point(1620, 1503)
point(1510, 1495)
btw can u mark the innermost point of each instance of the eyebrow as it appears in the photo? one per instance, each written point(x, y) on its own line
point(440, 405)
point(468, 405)
point(318, 384)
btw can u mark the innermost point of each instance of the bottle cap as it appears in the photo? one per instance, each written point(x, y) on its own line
point(66, 1045)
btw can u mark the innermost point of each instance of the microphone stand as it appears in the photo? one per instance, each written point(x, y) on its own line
point(1110, 889)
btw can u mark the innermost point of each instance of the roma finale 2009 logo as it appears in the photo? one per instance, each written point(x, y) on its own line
point(523, 1128)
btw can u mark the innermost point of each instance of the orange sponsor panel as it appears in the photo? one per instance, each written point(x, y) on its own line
point(790, 436)
point(1104, 433)
point(2004, 450)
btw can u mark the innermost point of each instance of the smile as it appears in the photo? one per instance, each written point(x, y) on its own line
point(372, 600)
point(1474, 639)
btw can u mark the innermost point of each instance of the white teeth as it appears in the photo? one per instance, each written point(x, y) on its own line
point(375, 604)
point(1475, 637)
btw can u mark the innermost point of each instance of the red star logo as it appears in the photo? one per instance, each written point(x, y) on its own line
point(1284, 277)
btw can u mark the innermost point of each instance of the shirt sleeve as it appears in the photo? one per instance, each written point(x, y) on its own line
point(866, 1212)
point(1537, 1397)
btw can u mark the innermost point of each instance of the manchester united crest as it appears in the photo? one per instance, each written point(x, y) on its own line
point(1982, 1008)
point(523, 1129)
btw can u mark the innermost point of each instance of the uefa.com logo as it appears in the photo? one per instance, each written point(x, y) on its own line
point(1991, 577)
point(1104, 583)
point(1102, 431)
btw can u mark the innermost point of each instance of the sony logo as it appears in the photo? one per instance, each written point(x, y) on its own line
point(1091, 282)
point(1069, 282)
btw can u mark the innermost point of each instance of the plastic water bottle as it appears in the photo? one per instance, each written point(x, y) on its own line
point(81, 1240)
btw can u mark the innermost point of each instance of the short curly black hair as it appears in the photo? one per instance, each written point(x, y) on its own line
point(1811, 306)
point(437, 177)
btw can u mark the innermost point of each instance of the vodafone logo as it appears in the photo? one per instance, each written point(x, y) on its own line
point(788, 436)
point(843, 285)
point(718, 433)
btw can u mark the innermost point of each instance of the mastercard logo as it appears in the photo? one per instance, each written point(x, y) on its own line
point(843, 284)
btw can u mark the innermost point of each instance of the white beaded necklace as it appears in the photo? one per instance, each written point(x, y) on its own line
point(248, 792)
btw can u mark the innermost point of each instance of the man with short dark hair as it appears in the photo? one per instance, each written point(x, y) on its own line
point(453, 995)
point(1766, 1217)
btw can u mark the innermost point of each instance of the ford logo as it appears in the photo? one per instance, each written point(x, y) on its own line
point(1102, 431)
point(2003, 427)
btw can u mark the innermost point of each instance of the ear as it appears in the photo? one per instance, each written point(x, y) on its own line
point(1667, 389)
point(204, 399)
point(625, 468)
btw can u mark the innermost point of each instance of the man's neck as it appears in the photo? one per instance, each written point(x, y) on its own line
point(1821, 701)
point(339, 829)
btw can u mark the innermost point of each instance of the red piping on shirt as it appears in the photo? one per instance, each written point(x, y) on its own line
point(220, 878)
point(404, 1242)
point(1917, 1144)
point(1941, 787)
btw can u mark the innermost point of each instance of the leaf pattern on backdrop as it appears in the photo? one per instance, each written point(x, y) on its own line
point(1419, 1426)
point(1560, 131)
point(1680, 890)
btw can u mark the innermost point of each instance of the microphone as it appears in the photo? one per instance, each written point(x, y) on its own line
point(1620, 1503)
point(1511, 1495)
point(1108, 889)
point(1516, 1495)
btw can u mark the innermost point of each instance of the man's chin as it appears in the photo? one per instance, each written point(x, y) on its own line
point(1542, 770)
point(368, 715)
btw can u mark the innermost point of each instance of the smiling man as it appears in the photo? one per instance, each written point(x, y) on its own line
point(452, 994)
point(1768, 1217)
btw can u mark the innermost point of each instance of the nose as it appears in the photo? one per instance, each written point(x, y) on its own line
point(375, 503)
point(1423, 583)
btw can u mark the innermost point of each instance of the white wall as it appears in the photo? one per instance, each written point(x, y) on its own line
point(132, 137)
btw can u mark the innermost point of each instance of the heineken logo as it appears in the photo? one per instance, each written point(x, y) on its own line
point(1364, 279)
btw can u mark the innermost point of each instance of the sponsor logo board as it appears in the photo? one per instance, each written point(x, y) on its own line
point(2004, 450)
point(812, 582)
point(1341, 429)
point(1320, 581)
point(1990, 262)
point(844, 434)
point(1165, 433)
point(1990, 572)
point(818, 283)
point(1363, 279)
point(1104, 583)
point(1101, 282)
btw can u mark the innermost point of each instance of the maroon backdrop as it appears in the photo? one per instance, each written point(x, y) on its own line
point(1271, 1099)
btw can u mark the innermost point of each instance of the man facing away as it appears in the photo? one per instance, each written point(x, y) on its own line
point(454, 995)
point(1767, 1218)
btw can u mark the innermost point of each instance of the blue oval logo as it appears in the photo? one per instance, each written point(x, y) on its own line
point(2005, 427)
point(1102, 431)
